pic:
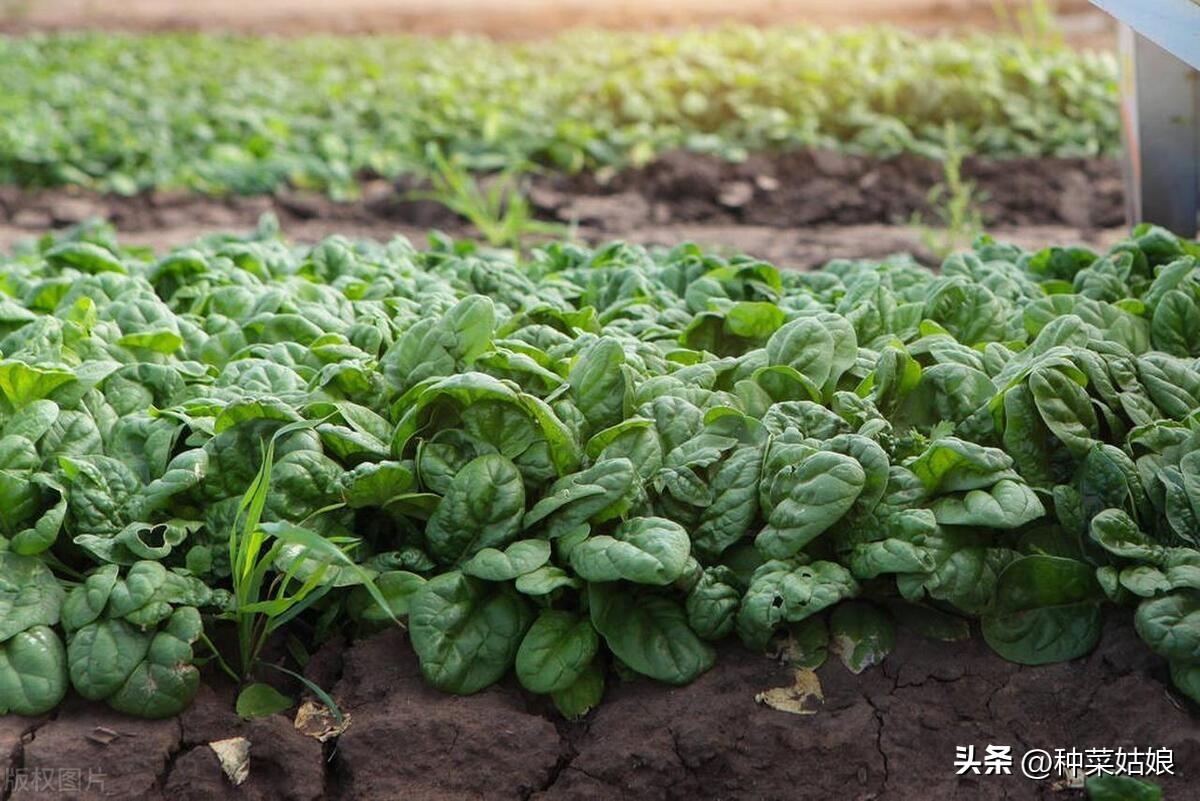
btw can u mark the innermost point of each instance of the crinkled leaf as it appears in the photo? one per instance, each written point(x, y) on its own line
point(163, 683)
point(822, 490)
point(33, 672)
point(644, 550)
point(649, 633)
point(481, 509)
point(29, 594)
point(1047, 609)
point(466, 631)
point(519, 558)
point(556, 651)
point(1170, 625)
point(1008, 504)
point(103, 655)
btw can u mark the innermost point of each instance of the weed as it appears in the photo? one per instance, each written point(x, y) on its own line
point(955, 204)
point(498, 209)
point(260, 605)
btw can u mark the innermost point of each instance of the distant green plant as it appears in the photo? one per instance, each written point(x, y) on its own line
point(498, 209)
point(251, 115)
point(1035, 21)
point(955, 204)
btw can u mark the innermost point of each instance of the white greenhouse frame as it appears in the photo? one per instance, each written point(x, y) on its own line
point(1160, 109)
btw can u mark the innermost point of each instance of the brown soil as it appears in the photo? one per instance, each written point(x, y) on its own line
point(1081, 23)
point(796, 210)
point(886, 735)
point(825, 187)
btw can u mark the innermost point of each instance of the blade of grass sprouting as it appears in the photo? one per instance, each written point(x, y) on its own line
point(281, 603)
point(289, 532)
point(255, 495)
point(324, 697)
point(244, 550)
point(306, 603)
point(258, 576)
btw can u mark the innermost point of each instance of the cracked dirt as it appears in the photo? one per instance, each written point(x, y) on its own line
point(888, 734)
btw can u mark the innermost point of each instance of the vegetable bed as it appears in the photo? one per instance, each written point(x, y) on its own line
point(586, 465)
point(249, 115)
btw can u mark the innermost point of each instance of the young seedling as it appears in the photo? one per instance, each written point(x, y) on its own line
point(955, 204)
point(497, 208)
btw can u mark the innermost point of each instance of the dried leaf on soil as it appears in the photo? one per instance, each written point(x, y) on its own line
point(801, 698)
point(318, 721)
point(234, 756)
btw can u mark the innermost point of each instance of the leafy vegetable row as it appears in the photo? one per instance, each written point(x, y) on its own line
point(242, 114)
point(597, 460)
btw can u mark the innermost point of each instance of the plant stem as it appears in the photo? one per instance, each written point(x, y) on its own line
point(229, 671)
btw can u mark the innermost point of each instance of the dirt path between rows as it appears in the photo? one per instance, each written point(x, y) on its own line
point(887, 735)
point(1081, 23)
point(796, 210)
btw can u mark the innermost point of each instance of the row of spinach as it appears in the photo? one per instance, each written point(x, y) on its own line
point(592, 462)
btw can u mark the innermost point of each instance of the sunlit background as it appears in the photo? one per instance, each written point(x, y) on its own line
point(813, 325)
point(778, 116)
point(1077, 20)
